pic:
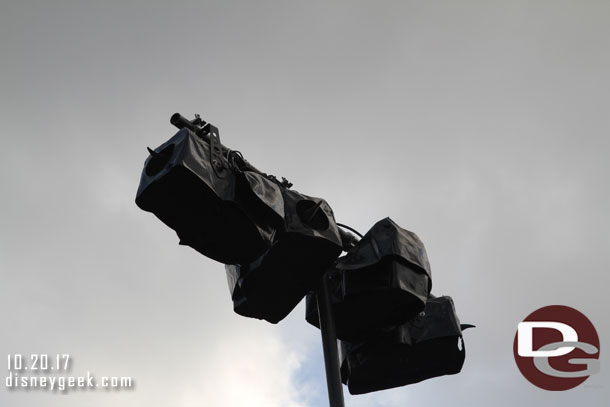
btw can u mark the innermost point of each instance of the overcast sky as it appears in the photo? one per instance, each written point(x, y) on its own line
point(483, 126)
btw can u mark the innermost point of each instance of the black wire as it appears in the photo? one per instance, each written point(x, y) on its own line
point(351, 229)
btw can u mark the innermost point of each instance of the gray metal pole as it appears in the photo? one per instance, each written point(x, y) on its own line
point(329, 343)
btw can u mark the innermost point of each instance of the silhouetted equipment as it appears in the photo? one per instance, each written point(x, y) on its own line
point(427, 346)
point(383, 281)
point(275, 241)
point(279, 245)
point(308, 242)
point(225, 215)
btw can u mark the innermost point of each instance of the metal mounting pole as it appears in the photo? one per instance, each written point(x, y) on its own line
point(329, 343)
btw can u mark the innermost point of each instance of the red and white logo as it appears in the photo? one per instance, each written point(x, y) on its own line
point(556, 348)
